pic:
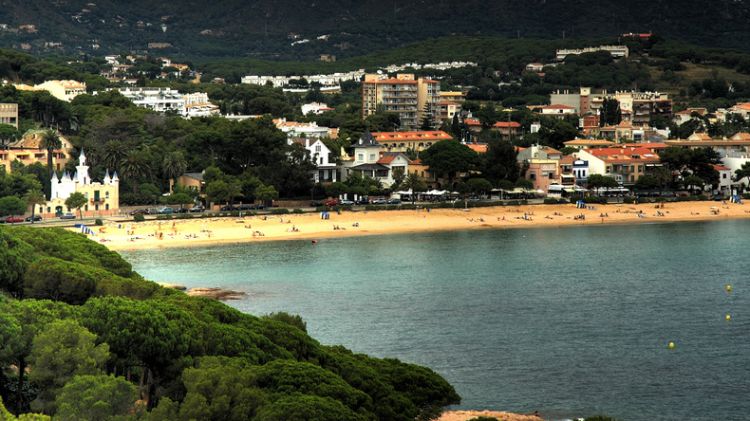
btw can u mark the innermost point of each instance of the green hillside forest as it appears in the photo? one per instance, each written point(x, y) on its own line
point(83, 337)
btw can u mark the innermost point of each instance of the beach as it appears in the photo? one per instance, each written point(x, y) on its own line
point(311, 226)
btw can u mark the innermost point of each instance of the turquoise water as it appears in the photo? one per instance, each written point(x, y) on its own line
point(569, 321)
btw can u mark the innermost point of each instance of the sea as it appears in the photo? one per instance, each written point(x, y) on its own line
point(570, 322)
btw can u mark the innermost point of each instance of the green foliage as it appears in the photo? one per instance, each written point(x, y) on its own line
point(139, 217)
point(12, 205)
point(198, 358)
point(448, 158)
point(597, 181)
point(60, 351)
point(95, 397)
point(76, 201)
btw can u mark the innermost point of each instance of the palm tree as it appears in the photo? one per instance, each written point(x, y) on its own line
point(173, 166)
point(50, 141)
point(113, 154)
point(133, 167)
point(33, 198)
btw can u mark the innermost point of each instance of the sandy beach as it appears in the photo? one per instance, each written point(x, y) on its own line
point(500, 416)
point(208, 231)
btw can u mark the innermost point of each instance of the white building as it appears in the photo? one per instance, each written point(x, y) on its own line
point(617, 51)
point(197, 104)
point(327, 170)
point(64, 90)
point(156, 99)
point(369, 160)
point(315, 108)
point(101, 197)
point(296, 129)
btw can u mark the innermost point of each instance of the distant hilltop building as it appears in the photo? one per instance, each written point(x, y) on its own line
point(170, 100)
point(101, 197)
point(617, 51)
point(64, 90)
point(413, 99)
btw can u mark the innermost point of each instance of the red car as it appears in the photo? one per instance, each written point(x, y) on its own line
point(331, 202)
point(13, 219)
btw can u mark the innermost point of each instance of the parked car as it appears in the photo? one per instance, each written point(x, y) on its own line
point(316, 203)
point(380, 201)
point(67, 216)
point(165, 211)
point(362, 201)
point(13, 219)
point(37, 218)
point(197, 208)
point(139, 212)
point(347, 202)
point(331, 202)
point(394, 201)
point(228, 208)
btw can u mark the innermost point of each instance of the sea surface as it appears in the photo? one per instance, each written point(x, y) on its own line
point(568, 321)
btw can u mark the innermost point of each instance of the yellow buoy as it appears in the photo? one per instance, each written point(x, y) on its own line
point(728, 317)
point(671, 345)
point(728, 287)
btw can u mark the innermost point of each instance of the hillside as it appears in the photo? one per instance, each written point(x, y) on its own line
point(96, 341)
point(261, 28)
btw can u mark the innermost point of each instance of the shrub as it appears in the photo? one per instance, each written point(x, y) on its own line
point(139, 217)
point(279, 211)
point(98, 222)
point(298, 211)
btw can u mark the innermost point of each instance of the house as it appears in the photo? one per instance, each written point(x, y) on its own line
point(535, 67)
point(725, 180)
point(296, 129)
point(28, 150)
point(625, 164)
point(327, 169)
point(555, 110)
point(508, 129)
point(448, 109)
point(368, 160)
point(64, 90)
point(198, 105)
point(589, 143)
point(542, 165)
point(102, 198)
point(454, 96)
point(616, 51)
point(734, 152)
point(682, 117)
point(156, 99)
point(742, 109)
point(193, 181)
point(315, 108)
point(414, 140)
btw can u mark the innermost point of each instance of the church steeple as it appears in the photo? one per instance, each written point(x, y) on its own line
point(82, 170)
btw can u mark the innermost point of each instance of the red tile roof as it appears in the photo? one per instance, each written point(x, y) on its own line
point(616, 155)
point(507, 125)
point(478, 147)
point(430, 135)
point(721, 168)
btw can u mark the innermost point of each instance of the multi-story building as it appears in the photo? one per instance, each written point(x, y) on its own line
point(327, 169)
point(9, 114)
point(625, 164)
point(542, 165)
point(28, 150)
point(369, 160)
point(64, 90)
point(197, 104)
point(635, 106)
point(413, 99)
point(447, 109)
point(156, 99)
point(404, 141)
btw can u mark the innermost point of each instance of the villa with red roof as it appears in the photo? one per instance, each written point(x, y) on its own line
point(507, 129)
point(414, 140)
point(624, 164)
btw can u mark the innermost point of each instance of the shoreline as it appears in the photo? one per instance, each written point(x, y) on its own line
point(179, 233)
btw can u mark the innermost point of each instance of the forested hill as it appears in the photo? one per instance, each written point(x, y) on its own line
point(349, 27)
point(83, 337)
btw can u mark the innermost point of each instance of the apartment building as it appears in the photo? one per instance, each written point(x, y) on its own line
point(636, 107)
point(617, 51)
point(413, 99)
point(9, 114)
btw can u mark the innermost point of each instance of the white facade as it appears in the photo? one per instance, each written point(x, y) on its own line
point(315, 108)
point(156, 99)
point(617, 51)
point(308, 130)
point(327, 169)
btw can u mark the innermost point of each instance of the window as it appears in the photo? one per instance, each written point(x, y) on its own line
point(724, 175)
point(360, 157)
point(317, 148)
point(372, 157)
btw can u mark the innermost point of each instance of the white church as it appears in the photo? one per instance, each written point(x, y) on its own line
point(102, 198)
